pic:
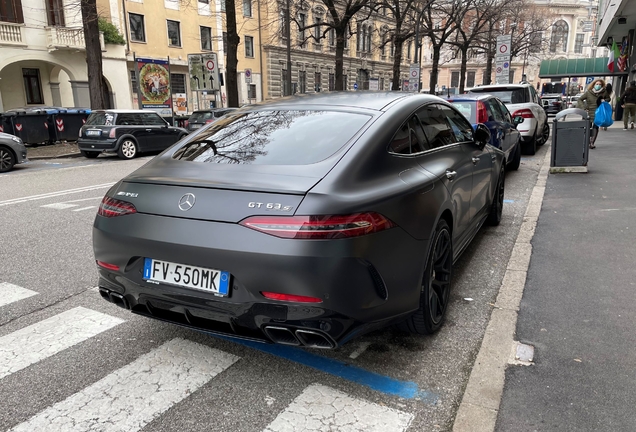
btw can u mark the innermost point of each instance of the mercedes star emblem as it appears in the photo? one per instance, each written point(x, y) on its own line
point(187, 202)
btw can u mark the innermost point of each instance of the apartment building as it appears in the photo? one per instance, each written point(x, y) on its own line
point(42, 56)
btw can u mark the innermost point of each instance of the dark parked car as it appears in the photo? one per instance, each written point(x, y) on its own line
point(12, 152)
point(200, 118)
point(304, 221)
point(552, 103)
point(489, 110)
point(127, 133)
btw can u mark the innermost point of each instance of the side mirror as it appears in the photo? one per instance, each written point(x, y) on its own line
point(517, 120)
point(482, 136)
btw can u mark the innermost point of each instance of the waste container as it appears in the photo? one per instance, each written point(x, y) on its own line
point(5, 124)
point(30, 124)
point(67, 122)
point(570, 139)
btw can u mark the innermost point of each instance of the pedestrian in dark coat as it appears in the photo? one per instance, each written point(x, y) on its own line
point(591, 99)
point(628, 102)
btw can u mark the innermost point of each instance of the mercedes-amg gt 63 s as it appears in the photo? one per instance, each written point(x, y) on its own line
point(306, 221)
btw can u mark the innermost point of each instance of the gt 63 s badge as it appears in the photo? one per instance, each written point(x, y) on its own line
point(270, 206)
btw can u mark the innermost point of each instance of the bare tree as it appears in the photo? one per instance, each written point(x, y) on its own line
point(439, 24)
point(403, 16)
point(231, 52)
point(97, 89)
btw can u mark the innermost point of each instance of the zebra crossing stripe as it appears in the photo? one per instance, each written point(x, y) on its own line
point(131, 397)
point(321, 408)
point(36, 342)
point(10, 293)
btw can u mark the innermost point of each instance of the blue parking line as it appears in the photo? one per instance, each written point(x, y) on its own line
point(375, 381)
point(509, 201)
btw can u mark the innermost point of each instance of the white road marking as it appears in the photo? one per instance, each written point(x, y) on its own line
point(361, 348)
point(321, 408)
point(131, 397)
point(10, 293)
point(59, 206)
point(84, 208)
point(36, 342)
point(85, 199)
point(54, 194)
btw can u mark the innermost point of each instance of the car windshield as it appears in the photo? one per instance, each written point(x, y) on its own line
point(201, 116)
point(507, 96)
point(467, 108)
point(100, 119)
point(274, 138)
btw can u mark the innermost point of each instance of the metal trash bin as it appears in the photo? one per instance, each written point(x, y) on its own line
point(570, 139)
point(5, 124)
point(31, 125)
point(67, 122)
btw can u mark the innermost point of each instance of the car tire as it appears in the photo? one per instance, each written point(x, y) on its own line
point(496, 207)
point(89, 154)
point(7, 159)
point(436, 285)
point(545, 134)
point(127, 149)
point(516, 159)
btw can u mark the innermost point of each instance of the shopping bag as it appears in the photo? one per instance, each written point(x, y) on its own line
point(603, 115)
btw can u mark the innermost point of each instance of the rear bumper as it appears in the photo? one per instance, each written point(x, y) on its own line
point(364, 283)
point(97, 145)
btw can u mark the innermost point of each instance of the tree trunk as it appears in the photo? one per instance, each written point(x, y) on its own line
point(462, 69)
point(435, 68)
point(93, 54)
point(340, 45)
point(233, 40)
point(490, 56)
point(397, 60)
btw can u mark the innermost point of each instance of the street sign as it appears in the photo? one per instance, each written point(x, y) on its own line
point(589, 80)
point(248, 76)
point(587, 26)
point(503, 46)
point(414, 77)
point(204, 72)
point(355, 86)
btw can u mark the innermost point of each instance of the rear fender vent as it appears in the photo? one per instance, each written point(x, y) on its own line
point(378, 282)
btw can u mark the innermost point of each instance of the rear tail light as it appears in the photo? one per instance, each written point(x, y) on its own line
point(209, 121)
point(319, 227)
point(111, 207)
point(112, 132)
point(290, 297)
point(525, 113)
point(108, 266)
point(482, 113)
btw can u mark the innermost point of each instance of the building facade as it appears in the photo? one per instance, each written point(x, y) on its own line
point(42, 57)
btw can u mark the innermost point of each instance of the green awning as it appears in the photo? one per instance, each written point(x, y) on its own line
point(565, 68)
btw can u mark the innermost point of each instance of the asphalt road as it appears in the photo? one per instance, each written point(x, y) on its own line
point(71, 356)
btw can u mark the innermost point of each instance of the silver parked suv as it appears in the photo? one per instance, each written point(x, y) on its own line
point(522, 100)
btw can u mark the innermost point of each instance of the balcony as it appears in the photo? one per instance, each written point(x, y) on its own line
point(12, 34)
point(68, 38)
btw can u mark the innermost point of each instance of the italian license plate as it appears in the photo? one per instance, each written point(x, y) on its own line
point(205, 279)
point(196, 126)
point(93, 132)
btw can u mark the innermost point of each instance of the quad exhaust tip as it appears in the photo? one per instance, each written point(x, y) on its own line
point(114, 298)
point(299, 337)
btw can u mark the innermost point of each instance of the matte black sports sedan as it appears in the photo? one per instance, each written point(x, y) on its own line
point(305, 221)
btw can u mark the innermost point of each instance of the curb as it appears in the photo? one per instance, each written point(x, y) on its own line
point(67, 155)
point(480, 404)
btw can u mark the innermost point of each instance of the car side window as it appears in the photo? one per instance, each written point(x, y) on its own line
point(152, 119)
point(461, 127)
point(409, 139)
point(505, 112)
point(496, 111)
point(436, 126)
point(533, 95)
point(125, 119)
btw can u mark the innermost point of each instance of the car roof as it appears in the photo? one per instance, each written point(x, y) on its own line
point(214, 110)
point(124, 111)
point(366, 99)
point(470, 97)
point(485, 88)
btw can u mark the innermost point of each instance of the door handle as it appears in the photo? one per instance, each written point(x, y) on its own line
point(475, 160)
point(451, 174)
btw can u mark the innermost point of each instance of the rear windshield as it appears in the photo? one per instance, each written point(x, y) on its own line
point(274, 138)
point(468, 109)
point(199, 116)
point(507, 96)
point(100, 119)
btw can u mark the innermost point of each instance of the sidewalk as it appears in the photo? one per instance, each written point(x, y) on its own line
point(579, 304)
point(57, 150)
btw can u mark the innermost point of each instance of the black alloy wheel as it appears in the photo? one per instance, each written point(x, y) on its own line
point(436, 285)
point(496, 208)
point(7, 160)
point(545, 134)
